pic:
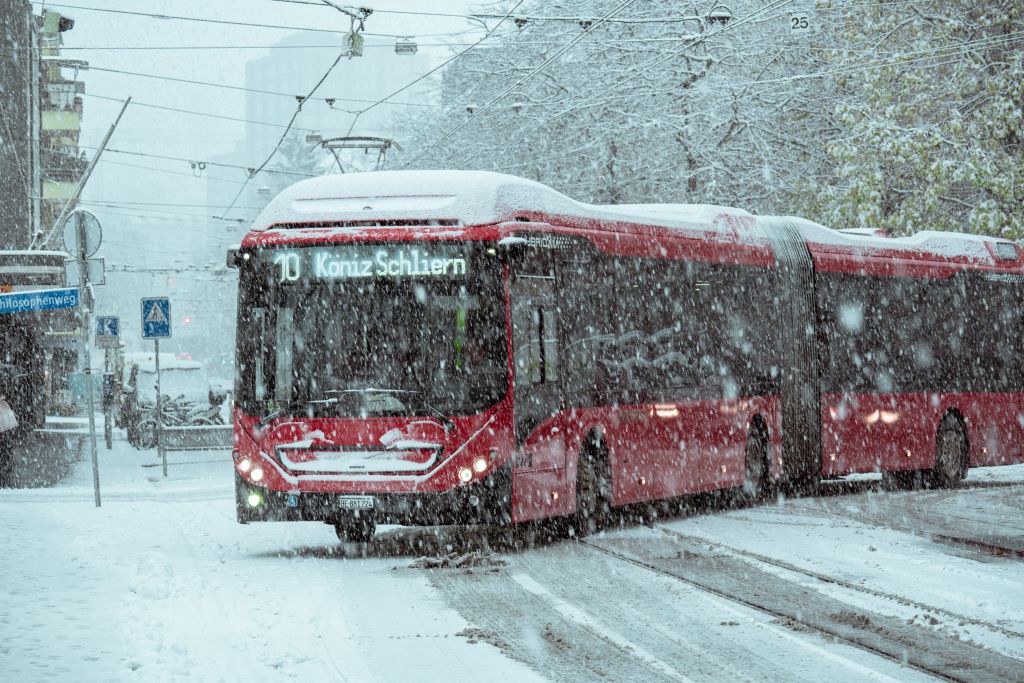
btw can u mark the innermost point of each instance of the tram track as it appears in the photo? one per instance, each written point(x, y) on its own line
point(983, 546)
point(832, 580)
point(937, 530)
point(739, 581)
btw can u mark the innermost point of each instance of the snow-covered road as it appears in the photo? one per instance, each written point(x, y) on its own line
point(161, 583)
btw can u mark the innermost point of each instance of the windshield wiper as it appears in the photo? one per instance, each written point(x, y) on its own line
point(296, 406)
point(445, 420)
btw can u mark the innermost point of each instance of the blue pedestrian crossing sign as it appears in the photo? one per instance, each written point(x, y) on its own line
point(108, 331)
point(156, 318)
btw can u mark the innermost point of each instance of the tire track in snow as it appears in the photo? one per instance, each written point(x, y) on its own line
point(574, 613)
point(595, 612)
point(533, 631)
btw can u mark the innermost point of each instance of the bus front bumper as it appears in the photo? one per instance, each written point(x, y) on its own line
point(487, 501)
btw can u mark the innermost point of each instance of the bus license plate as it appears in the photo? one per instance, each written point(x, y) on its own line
point(356, 502)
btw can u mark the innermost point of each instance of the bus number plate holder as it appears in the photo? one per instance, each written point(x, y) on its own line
point(356, 502)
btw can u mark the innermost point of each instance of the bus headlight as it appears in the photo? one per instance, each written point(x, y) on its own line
point(254, 500)
point(257, 474)
point(480, 464)
point(245, 465)
point(465, 475)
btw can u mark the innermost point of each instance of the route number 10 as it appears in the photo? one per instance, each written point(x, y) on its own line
point(289, 267)
point(800, 22)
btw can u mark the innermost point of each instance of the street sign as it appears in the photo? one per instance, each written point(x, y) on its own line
point(156, 318)
point(801, 22)
point(108, 332)
point(93, 233)
point(39, 300)
point(96, 269)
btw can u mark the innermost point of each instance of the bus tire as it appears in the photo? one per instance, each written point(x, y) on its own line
point(593, 487)
point(355, 528)
point(755, 463)
point(950, 453)
point(909, 480)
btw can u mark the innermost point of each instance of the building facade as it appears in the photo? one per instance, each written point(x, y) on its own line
point(61, 162)
point(41, 166)
point(16, 116)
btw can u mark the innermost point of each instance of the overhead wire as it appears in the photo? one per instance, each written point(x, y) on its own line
point(576, 19)
point(136, 209)
point(222, 47)
point(373, 104)
point(572, 43)
point(183, 205)
point(437, 68)
point(636, 71)
point(192, 112)
point(298, 110)
point(254, 171)
point(247, 169)
point(190, 81)
point(226, 22)
point(111, 162)
point(901, 58)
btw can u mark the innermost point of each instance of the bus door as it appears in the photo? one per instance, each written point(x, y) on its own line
point(537, 391)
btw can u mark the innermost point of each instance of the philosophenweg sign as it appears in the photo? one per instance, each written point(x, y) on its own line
point(39, 300)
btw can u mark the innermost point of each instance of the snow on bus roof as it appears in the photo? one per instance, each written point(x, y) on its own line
point(461, 198)
point(938, 243)
point(694, 213)
point(467, 198)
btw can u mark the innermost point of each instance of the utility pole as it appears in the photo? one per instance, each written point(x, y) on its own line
point(35, 128)
point(85, 304)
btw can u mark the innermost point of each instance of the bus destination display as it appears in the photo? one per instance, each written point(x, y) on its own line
point(341, 263)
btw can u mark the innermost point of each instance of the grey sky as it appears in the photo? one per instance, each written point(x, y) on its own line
point(182, 234)
point(98, 35)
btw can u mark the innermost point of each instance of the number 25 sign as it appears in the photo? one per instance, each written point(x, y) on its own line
point(800, 22)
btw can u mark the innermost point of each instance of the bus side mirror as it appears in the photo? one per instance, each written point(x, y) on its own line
point(234, 258)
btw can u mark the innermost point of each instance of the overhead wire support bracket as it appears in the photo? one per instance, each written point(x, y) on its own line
point(357, 22)
point(363, 142)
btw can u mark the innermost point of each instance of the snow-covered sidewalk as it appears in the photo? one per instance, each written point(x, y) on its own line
point(161, 583)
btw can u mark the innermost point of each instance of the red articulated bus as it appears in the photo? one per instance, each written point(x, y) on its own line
point(455, 347)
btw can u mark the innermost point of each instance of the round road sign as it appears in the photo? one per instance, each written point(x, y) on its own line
point(93, 233)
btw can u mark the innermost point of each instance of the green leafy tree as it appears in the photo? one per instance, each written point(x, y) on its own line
point(929, 124)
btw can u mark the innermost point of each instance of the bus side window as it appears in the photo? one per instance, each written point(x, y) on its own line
point(535, 333)
point(528, 359)
point(535, 323)
point(537, 346)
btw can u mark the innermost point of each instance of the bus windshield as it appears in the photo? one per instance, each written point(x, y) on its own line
point(358, 331)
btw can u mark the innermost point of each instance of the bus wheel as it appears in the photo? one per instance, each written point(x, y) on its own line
point(911, 480)
point(950, 453)
point(593, 488)
point(355, 529)
point(755, 466)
